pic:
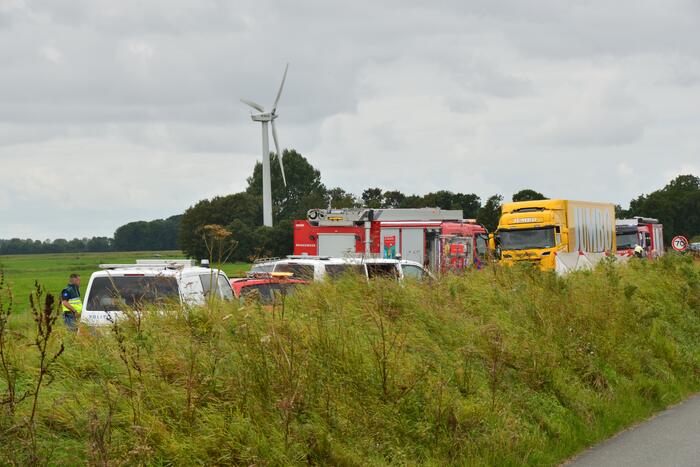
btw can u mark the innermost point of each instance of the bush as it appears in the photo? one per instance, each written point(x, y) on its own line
point(506, 366)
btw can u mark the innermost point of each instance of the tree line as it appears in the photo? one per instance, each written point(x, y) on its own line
point(159, 234)
point(677, 206)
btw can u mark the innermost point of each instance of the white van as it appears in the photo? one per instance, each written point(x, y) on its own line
point(318, 268)
point(149, 282)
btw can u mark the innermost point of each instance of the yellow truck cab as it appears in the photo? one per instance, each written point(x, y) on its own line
point(535, 231)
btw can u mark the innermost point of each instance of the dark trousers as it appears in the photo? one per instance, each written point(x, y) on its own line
point(70, 321)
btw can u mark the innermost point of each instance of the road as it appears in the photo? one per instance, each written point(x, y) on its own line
point(670, 439)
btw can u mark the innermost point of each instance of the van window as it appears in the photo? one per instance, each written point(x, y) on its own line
point(262, 267)
point(382, 270)
point(219, 283)
point(412, 271)
point(299, 271)
point(225, 288)
point(114, 293)
point(334, 271)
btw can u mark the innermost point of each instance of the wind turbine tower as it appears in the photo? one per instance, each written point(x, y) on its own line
point(265, 118)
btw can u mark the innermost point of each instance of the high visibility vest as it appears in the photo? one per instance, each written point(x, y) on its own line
point(76, 303)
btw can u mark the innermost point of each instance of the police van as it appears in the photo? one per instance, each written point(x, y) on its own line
point(319, 268)
point(150, 284)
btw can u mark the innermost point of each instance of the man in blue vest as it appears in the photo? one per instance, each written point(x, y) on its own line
point(71, 303)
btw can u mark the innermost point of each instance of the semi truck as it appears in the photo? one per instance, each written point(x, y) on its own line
point(539, 231)
point(646, 232)
point(440, 240)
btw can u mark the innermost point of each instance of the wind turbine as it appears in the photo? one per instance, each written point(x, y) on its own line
point(265, 118)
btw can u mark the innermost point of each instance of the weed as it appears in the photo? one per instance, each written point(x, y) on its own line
point(507, 366)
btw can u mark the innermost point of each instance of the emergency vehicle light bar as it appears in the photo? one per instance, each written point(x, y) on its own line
point(352, 216)
point(151, 264)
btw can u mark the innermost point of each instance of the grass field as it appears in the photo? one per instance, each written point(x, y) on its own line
point(52, 270)
point(506, 366)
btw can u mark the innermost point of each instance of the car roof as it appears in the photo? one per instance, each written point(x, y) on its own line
point(309, 261)
point(257, 281)
point(331, 260)
point(155, 271)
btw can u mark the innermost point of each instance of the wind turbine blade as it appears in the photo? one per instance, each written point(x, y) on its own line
point(257, 107)
point(279, 93)
point(279, 154)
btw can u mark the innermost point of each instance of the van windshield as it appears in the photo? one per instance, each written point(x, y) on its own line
point(120, 292)
point(527, 238)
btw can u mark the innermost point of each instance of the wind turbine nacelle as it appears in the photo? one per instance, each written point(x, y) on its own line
point(266, 117)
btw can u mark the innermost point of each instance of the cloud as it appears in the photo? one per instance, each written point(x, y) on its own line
point(586, 100)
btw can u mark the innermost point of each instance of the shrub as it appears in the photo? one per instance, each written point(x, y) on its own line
point(506, 366)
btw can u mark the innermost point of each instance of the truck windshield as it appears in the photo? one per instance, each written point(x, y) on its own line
point(527, 238)
point(117, 293)
point(626, 240)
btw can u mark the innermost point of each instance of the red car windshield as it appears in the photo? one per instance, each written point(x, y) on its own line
point(267, 293)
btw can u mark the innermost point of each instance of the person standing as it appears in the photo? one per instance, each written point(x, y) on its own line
point(71, 303)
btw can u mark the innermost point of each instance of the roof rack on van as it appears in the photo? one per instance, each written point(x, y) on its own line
point(307, 257)
point(266, 260)
point(184, 262)
point(152, 264)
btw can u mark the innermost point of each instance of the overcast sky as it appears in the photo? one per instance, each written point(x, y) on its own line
point(113, 111)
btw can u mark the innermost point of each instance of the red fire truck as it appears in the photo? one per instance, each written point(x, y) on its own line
point(439, 239)
point(643, 231)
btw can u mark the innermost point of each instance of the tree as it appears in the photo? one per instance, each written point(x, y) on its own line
point(221, 210)
point(373, 198)
point(469, 203)
point(677, 206)
point(412, 201)
point(341, 199)
point(490, 212)
point(441, 199)
point(99, 244)
point(158, 234)
point(393, 199)
point(528, 195)
point(304, 189)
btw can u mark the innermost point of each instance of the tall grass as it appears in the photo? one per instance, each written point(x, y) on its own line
point(506, 366)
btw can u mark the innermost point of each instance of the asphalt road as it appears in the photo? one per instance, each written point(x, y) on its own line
point(670, 439)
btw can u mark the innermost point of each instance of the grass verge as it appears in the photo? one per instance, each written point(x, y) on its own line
point(507, 366)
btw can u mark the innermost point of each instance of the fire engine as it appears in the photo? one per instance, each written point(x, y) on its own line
point(439, 239)
point(643, 231)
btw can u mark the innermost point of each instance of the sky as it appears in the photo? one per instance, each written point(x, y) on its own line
point(114, 111)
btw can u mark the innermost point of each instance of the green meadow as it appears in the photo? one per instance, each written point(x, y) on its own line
point(52, 270)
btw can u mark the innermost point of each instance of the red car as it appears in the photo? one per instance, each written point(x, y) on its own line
point(265, 287)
